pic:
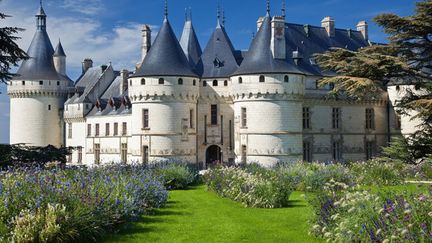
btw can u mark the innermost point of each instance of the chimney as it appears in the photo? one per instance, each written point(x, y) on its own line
point(124, 74)
point(86, 64)
point(329, 25)
point(259, 23)
point(296, 56)
point(362, 26)
point(146, 44)
point(278, 43)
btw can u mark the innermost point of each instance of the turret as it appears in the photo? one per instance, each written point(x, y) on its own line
point(189, 42)
point(59, 59)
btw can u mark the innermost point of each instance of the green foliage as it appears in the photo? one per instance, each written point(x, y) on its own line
point(175, 175)
point(378, 172)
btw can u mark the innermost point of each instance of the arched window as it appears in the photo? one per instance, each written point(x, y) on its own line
point(286, 79)
point(226, 83)
point(204, 83)
point(143, 81)
point(215, 83)
point(180, 81)
point(194, 82)
point(161, 81)
point(240, 80)
point(261, 79)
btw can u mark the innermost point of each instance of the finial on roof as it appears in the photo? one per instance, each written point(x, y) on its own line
point(223, 17)
point(190, 13)
point(283, 9)
point(268, 7)
point(218, 14)
point(166, 9)
point(186, 14)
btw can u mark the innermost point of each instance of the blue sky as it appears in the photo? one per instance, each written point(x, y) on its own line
point(109, 30)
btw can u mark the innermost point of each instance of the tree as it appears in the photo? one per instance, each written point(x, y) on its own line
point(10, 53)
point(406, 60)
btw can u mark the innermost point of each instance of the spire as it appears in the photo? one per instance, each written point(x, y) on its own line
point(41, 18)
point(268, 7)
point(189, 43)
point(59, 51)
point(218, 14)
point(283, 9)
point(166, 9)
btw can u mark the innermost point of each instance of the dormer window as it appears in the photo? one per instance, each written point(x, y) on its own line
point(218, 63)
point(286, 79)
point(215, 83)
point(180, 81)
point(161, 81)
point(261, 79)
point(143, 81)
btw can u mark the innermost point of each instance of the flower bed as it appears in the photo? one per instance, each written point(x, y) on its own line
point(38, 205)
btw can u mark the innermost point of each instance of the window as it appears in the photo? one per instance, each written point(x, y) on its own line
point(191, 118)
point(370, 149)
point(180, 81)
point(161, 81)
point(204, 83)
point(97, 153)
point(107, 129)
point(261, 79)
point(69, 130)
point(337, 150)
point(23, 82)
point(307, 151)
point(370, 118)
point(124, 128)
point(145, 117)
point(49, 107)
point(214, 114)
point(240, 80)
point(97, 130)
point(58, 83)
point(88, 130)
point(145, 155)
point(306, 118)
point(80, 154)
point(286, 79)
point(194, 82)
point(40, 82)
point(226, 83)
point(215, 83)
point(243, 154)
point(124, 153)
point(130, 82)
point(243, 117)
point(143, 81)
point(115, 128)
point(336, 118)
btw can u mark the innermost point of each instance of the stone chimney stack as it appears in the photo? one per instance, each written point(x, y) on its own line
point(259, 23)
point(146, 44)
point(329, 24)
point(278, 43)
point(124, 74)
point(362, 26)
point(86, 64)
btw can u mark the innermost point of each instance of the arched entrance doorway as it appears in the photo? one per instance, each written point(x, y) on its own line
point(213, 155)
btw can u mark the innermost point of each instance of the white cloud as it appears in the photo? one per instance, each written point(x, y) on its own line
point(88, 7)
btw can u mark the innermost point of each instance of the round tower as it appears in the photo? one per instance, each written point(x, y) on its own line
point(267, 91)
point(38, 93)
point(164, 92)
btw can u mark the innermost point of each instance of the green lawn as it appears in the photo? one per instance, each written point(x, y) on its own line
point(197, 215)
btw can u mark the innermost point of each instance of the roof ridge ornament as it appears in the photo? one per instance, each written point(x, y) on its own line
point(283, 9)
point(268, 7)
point(166, 10)
point(218, 15)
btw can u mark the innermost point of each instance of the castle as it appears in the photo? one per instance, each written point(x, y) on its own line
point(217, 104)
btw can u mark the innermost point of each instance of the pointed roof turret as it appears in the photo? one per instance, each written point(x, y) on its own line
point(189, 43)
point(166, 57)
point(259, 58)
point(218, 59)
point(39, 65)
point(59, 51)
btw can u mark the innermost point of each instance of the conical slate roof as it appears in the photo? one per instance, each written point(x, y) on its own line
point(166, 57)
point(259, 58)
point(189, 43)
point(59, 51)
point(218, 59)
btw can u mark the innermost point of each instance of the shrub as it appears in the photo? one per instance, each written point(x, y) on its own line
point(253, 190)
point(175, 175)
point(378, 172)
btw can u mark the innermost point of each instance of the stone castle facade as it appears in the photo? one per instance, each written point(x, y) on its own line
point(217, 104)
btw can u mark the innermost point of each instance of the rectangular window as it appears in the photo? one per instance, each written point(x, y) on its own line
point(97, 153)
point(97, 130)
point(88, 130)
point(124, 129)
point(337, 150)
point(243, 117)
point(107, 129)
point(124, 153)
point(145, 155)
point(214, 114)
point(307, 151)
point(115, 128)
point(370, 149)
point(145, 118)
point(370, 118)
point(80, 154)
point(69, 130)
point(191, 118)
point(336, 118)
point(243, 154)
point(306, 118)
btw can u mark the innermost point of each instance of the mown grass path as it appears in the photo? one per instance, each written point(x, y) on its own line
point(197, 215)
